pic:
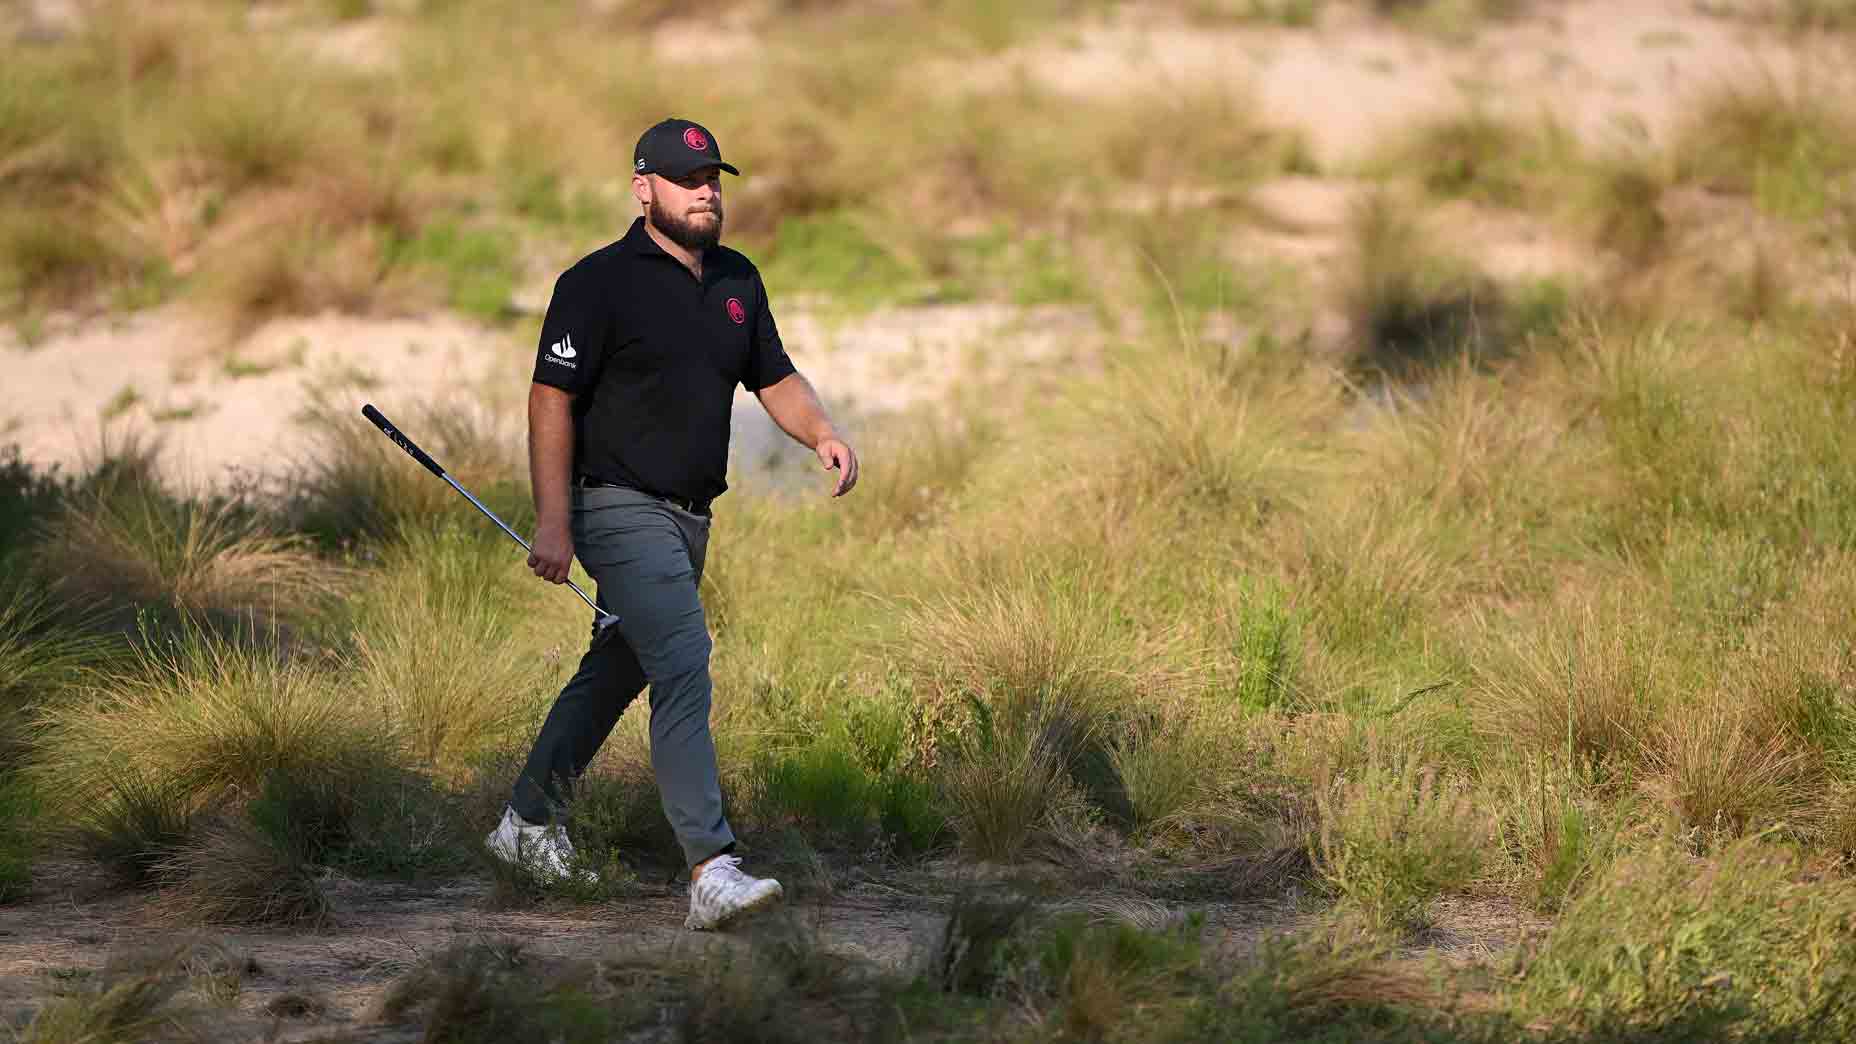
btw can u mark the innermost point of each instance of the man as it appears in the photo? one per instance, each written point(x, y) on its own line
point(642, 346)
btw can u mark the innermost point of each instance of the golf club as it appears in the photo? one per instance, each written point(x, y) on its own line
point(603, 619)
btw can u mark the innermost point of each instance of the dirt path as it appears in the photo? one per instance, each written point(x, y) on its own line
point(334, 980)
point(379, 931)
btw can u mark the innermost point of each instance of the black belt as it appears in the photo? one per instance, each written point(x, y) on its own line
point(694, 507)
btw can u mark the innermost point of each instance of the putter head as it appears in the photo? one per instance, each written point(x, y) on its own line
point(604, 626)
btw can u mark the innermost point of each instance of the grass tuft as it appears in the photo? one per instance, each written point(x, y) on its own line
point(1787, 150)
point(479, 992)
point(354, 486)
point(134, 827)
point(151, 997)
point(1396, 838)
point(201, 715)
point(231, 872)
point(1583, 688)
point(126, 543)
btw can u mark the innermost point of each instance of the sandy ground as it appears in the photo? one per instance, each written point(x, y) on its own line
point(222, 415)
point(1604, 68)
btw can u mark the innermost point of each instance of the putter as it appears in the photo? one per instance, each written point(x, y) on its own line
point(602, 620)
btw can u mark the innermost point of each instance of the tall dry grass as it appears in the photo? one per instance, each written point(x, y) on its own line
point(352, 486)
point(206, 716)
point(217, 561)
point(436, 593)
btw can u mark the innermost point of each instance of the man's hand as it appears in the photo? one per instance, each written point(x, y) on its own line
point(833, 453)
point(552, 551)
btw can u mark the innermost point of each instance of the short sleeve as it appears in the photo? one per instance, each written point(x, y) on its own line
point(767, 360)
point(574, 333)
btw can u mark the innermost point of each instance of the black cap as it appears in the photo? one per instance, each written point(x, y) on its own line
point(674, 147)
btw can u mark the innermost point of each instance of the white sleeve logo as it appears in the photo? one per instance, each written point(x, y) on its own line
point(563, 350)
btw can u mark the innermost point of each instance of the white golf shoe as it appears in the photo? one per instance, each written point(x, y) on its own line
point(544, 849)
point(722, 893)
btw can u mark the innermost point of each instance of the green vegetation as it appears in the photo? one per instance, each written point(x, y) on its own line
point(1395, 838)
point(1538, 593)
point(1785, 148)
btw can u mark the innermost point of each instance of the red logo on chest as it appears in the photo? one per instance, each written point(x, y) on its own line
point(736, 312)
point(695, 139)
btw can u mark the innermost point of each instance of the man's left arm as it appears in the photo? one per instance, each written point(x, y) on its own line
point(795, 407)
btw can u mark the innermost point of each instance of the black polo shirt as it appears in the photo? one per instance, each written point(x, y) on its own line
point(652, 357)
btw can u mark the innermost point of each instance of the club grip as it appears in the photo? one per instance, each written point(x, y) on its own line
point(386, 426)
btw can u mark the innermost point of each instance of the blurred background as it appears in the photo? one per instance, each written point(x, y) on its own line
point(239, 203)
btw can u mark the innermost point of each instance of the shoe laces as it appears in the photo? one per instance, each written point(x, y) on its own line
point(727, 865)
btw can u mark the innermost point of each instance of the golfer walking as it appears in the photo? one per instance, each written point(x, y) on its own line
point(643, 344)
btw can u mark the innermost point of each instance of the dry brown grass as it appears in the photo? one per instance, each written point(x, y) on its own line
point(1725, 770)
point(1583, 686)
point(230, 873)
point(157, 995)
point(446, 709)
point(1231, 430)
point(135, 545)
point(354, 486)
point(203, 714)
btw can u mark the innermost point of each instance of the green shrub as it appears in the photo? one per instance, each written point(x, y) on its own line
point(372, 820)
point(1261, 636)
point(820, 785)
point(1744, 933)
point(834, 254)
point(828, 789)
point(1396, 838)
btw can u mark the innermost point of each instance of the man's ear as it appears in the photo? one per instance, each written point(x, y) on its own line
point(641, 189)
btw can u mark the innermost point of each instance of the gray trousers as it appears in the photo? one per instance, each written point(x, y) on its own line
point(647, 557)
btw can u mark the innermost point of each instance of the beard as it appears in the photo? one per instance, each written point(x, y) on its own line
point(690, 232)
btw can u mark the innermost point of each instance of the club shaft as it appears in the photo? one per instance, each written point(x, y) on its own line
point(513, 535)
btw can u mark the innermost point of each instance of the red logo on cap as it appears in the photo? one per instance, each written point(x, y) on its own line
point(736, 311)
point(696, 139)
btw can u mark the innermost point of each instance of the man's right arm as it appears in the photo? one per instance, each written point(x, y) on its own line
point(550, 466)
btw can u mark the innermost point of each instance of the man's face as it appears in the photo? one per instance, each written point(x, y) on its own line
point(687, 209)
